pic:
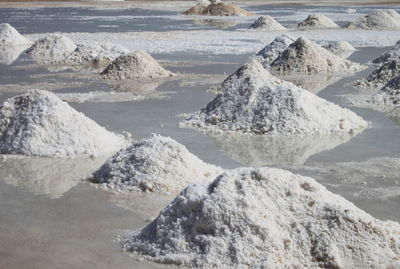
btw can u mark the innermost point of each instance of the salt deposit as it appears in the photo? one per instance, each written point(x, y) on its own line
point(198, 9)
point(9, 54)
point(266, 218)
point(137, 65)
point(267, 23)
point(155, 164)
point(389, 95)
point(270, 52)
point(392, 54)
point(377, 20)
point(254, 101)
point(316, 21)
point(340, 48)
point(216, 8)
point(52, 48)
point(305, 56)
point(9, 37)
point(38, 123)
point(381, 75)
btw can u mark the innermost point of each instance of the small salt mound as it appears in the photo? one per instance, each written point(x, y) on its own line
point(377, 20)
point(340, 48)
point(270, 52)
point(317, 21)
point(393, 53)
point(305, 56)
point(137, 65)
point(254, 101)
point(267, 23)
point(216, 8)
point(389, 95)
point(266, 218)
point(9, 37)
point(381, 75)
point(38, 123)
point(156, 164)
point(198, 9)
point(53, 48)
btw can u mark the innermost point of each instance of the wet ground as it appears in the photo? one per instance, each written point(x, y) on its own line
point(51, 218)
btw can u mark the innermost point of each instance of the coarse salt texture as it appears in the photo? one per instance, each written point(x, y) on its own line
point(10, 37)
point(377, 20)
point(316, 21)
point(270, 52)
point(267, 23)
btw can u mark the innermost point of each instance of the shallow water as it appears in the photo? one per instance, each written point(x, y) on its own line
point(53, 219)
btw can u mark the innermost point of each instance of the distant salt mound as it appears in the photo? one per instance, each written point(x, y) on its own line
point(267, 23)
point(392, 54)
point(381, 75)
point(53, 48)
point(254, 101)
point(389, 95)
point(266, 218)
point(137, 65)
point(317, 21)
point(307, 57)
point(38, 123)
point(377, 20)
point(156, 164)
point(198, 9)
point(216, 8)
point(340, 48)
point(9, 37)
point(270, 52)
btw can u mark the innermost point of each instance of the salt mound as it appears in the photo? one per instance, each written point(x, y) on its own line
point(340, 48)
point(317, 21)
point(52, 49)
point(392, 54)
point(377, 20)
point(305, 56)
point(198, 9)
point(9, 37)
point(217, 9)
point(267, 23)
point(38, 123)
point(137, 65)
point(254, 101)
point(266, 218)
point(270, 52)
point(9, 54)
point(390, 94)
point(381, 75)
point(156, 164)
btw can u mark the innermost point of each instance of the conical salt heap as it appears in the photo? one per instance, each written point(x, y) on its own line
point(254, 101)
point(390, 94)
point(267, 23)
point(307, 57)
point(156, 164)
point(270, 52)
point(198, 9)
point(266, 218)
point(53, 48)
point(10, 37)
point(377, 20)
point(340, 48)
point(317, 21)
point(38, 123)
point(137, 65)
point(392, 54)
point(382, 75)
point(217, 8)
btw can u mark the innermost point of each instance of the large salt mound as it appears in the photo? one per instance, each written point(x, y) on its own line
point(38, 123)
point(267, 23)
point(270, 52)
point(317, 21)
point(53, 48)
point(157, 164)
point(305, 56)
point(254, 101)
point(9, 37)
point(390, 94)
point(340, 48)
point(392, 54)
point(217, 9)
point(377, 20)
point(137, 65)
point(266, 218)
point(381, 75)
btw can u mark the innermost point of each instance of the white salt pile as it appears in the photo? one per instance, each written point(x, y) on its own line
point(217, 8)
point(9, 37)
point(155, 164)
point(381, 75)
point(340, 48)
point(316, 21)
point(305, 56)
point(198, 9)
point(392, 54)
point(52, 48)
point(266, 218)
point(389, 95)
point(270, 52)
point(38, 123)
point(137, 65)
point(9, 54)
point(254, 101)
point(267, 23)
point(377, 20)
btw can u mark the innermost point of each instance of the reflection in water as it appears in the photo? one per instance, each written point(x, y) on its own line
point(258, 150)
point(394, 115)
point(50, 177)
point(312, 83)
point(10, 54)
point(219, 23)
